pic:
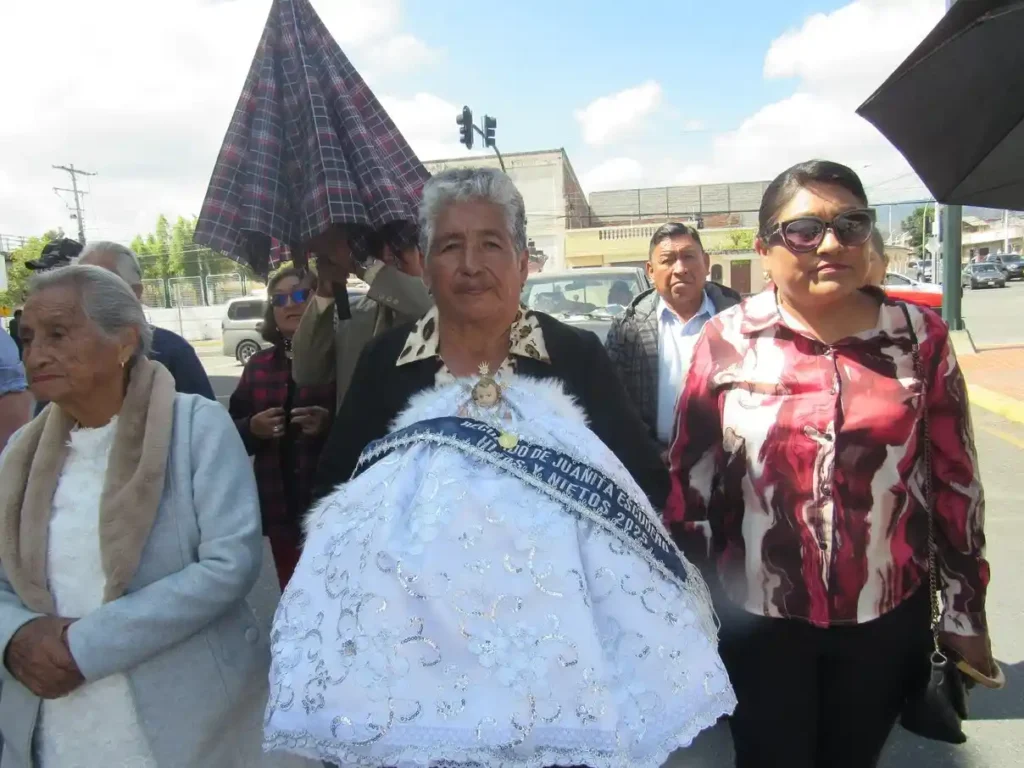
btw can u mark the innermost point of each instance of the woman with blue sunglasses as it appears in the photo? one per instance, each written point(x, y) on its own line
point(284, 425)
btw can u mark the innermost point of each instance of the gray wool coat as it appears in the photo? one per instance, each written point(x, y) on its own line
point(195, 654)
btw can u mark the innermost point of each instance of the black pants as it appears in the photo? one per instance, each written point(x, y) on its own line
point(820, 698)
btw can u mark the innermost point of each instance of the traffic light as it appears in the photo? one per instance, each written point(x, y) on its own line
point(490, 124)
point(465, 123)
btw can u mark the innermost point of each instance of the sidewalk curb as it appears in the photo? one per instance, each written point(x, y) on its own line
point(1003, 405)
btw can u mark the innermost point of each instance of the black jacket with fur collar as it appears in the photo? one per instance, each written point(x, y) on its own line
point(380, 391)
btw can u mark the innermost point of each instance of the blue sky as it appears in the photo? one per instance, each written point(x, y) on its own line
point(644, 93)
point(533, 62)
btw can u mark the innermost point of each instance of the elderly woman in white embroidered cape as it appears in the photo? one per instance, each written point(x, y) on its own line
point(493, 588)
point(129, 538)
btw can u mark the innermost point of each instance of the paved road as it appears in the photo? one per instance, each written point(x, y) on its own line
point(996, 734)
point(995, 317)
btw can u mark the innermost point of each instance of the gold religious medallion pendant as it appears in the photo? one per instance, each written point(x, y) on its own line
point(508, 441)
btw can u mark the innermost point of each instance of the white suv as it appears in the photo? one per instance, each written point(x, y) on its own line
point(241, 326)
point(243, 321)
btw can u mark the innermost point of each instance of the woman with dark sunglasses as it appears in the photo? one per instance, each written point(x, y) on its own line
point(799, 467)
point(284, 426)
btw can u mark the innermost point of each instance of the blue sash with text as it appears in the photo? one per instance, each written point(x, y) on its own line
point(585, 490)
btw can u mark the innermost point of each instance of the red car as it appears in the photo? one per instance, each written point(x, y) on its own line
point(902, 287)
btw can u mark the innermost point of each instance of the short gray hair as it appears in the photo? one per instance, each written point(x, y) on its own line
point(457, 185)
point(126, 263)
point(106, 300)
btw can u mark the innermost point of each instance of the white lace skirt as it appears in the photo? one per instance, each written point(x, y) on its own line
point(444, 612)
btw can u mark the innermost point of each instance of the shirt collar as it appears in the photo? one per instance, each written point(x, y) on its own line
point(761, 312)
point(707, 310)
point(526, 338)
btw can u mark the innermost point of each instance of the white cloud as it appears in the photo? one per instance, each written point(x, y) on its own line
point(428, 124)
point(142, 94)
point(613, 117)
point(838, 60)
point(616, 173)
point(402, 53)
point(857, 45)
point(692, 126)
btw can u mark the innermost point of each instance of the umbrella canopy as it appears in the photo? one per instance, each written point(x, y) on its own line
point(308, 146)
point(954, 108)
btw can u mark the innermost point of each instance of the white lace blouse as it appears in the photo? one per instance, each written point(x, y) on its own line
point(97, 725)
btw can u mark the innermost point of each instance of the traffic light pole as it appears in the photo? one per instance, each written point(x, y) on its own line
point(494, 146)
point(952, 247)
point(952, 216)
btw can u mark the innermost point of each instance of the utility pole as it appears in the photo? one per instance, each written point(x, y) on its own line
point(951, 254)
point(75, 173)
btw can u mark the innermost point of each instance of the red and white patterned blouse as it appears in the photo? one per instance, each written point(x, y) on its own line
point(798, 466)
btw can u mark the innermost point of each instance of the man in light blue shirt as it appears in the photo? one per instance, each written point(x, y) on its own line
point(15, 401)
point(652, 343)
point(676, 339)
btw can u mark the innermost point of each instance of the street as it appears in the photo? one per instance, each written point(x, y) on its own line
point(996, 731)
point(995, 316)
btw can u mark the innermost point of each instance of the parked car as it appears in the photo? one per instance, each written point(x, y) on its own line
point(1010, 264)
point(983, 275)
point(243, 322)
point(240, 328)
point(589, 298)
point(904, 288)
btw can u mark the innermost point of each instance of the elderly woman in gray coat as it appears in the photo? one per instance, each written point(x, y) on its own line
point(129, 539)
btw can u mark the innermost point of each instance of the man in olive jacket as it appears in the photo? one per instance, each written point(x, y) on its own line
point(329, 339)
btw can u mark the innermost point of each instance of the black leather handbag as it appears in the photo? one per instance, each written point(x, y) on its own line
point(936, 707)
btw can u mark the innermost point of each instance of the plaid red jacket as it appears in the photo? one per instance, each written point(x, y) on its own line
point(264, 384)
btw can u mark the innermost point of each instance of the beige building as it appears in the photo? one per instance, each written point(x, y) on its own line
point(554, 198)
point(733, 261)
point(982, 238)
point(623, 221)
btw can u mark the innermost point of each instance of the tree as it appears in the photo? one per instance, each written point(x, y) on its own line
point(914, 225)
point(18, 274)
point(742, 240)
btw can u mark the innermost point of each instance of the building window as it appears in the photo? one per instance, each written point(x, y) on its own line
point(716, 273)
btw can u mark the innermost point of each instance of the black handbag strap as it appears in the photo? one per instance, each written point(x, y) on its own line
point(929, 499)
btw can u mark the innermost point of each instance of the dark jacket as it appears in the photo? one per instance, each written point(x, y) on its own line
point(380, 391)
point(284, 468)
point(632, 345)
point(180, 358)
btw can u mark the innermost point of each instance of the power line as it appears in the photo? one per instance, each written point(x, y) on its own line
point(79, 213)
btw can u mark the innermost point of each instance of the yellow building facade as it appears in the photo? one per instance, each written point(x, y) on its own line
point(733, 260)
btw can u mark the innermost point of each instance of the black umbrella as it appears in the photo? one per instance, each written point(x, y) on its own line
point(309, 146)
point(954, 108)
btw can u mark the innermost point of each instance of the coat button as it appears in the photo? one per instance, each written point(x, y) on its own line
point(252, 635)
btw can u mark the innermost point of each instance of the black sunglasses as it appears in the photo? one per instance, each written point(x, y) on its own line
point(805, 233)
point(298, 296)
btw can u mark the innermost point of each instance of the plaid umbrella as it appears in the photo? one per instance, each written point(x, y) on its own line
point(308, 146)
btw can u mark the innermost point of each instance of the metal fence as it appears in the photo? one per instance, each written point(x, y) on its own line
point(154, 293)
point(186, 291)
point(195, 291)
point(221, 288)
